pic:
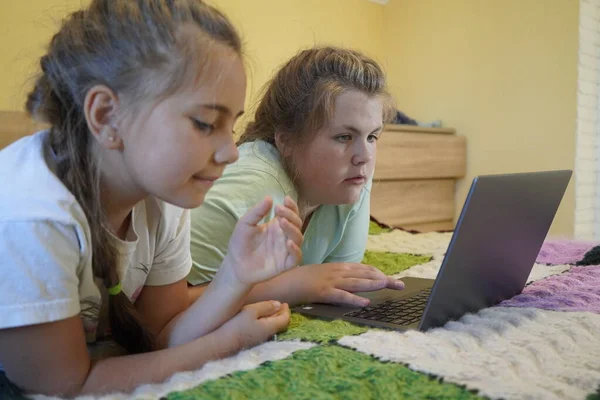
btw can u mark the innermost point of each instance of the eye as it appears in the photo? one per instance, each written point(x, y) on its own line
point(372, 138)
point(343, 138)
point(203, 126)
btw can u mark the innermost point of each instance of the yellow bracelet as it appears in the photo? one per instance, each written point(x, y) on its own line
point(115, 290)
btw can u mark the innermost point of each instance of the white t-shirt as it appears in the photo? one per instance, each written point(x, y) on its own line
point(45, 246)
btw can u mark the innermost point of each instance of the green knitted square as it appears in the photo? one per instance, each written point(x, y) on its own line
point(326, 372)
point(317, 330)
point(392, 263)
point(376, 229)
point(594, 396)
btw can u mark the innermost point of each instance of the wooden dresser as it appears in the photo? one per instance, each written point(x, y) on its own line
point(415, 176)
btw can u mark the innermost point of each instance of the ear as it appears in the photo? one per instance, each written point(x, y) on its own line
point(100, 107)
point(281, 144)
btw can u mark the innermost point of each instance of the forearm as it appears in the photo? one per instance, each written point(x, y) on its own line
point(128, 372)
point(270, 290)
point(221, 300)
point(196, 291)
point(279, 288)
point(285, 288)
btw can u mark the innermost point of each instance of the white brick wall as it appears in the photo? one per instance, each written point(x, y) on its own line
point(587, 162)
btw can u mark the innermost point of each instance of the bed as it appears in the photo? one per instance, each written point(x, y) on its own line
point(541, 344)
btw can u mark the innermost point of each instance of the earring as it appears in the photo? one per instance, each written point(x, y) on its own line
point(109, 133)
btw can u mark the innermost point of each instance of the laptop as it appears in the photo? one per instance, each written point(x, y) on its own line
point(501, 228)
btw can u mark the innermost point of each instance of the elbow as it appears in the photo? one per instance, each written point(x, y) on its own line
point(67, 387)
point(77, 385)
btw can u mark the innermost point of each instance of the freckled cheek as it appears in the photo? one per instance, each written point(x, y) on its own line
point(320, 176)
point(324, 171)
point(308, 172)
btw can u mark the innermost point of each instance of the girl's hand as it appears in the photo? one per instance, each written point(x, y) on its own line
point(333, 283)
point(258, 252)
point(256, 323)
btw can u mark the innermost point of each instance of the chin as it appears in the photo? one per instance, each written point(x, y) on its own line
point(346, 198)
point(352, 199)
point(193, 202)
point(353, 196)
point(186, 201)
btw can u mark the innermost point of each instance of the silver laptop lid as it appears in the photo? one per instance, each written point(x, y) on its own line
point(498, 236)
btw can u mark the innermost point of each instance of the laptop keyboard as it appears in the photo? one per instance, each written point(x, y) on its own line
point(397, 311)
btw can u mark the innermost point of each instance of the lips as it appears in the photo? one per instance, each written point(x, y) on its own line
point(205, 182)
point(357, 180)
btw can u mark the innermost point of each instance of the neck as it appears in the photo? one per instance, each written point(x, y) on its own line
point(118, 194)
point(117, 211)
point(306, 210)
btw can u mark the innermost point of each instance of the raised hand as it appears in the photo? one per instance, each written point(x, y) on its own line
point(258, 252)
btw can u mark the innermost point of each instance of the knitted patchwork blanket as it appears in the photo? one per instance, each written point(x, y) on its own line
point(542, 344)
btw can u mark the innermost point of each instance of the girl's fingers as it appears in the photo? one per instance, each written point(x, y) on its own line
point(279, 321)
point(277, 236)
point(258, 212)
point(263, 309)
point(359, 280)
point(342, 297)
point(291, 231)
point(290, 215)
point(291, 204)
point(294, 256)
point(393, 283)
point(362, 285)
point(363, 274)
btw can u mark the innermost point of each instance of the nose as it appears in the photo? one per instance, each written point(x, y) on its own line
point(363, 152)
point(227, 152)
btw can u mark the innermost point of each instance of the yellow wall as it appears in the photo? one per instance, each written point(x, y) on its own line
point(273, 31)
point(26, 27)
point(502, 72)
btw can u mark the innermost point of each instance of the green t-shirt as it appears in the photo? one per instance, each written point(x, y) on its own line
point(335, 233)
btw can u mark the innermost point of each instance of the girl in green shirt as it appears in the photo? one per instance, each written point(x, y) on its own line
point(314, 139)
